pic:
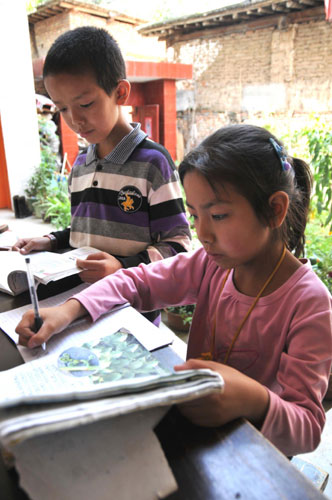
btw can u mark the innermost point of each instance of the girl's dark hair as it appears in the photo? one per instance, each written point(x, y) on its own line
point(244, 156)
point(87, 49)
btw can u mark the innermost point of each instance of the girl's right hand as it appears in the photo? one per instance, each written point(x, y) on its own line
point(55, 319)
point(242, 397)
point(27, 245)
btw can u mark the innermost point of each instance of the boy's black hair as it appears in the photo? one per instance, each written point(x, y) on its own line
point(87, 49)
point(243, 156)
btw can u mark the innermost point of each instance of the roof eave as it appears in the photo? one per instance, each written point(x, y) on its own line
point(56, 7)
point(232, 14)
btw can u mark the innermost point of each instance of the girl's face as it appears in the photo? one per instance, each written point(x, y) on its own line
point(226, 223)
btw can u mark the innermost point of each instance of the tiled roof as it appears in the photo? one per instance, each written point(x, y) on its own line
point(226, 16)
point(55, 7)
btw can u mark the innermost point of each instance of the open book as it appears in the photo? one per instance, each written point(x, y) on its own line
point(45, 266)
point(99, 377)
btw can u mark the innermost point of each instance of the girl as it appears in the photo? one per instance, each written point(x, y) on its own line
point(263, 318)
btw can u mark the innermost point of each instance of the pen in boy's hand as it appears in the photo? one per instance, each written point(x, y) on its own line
point(34, 300)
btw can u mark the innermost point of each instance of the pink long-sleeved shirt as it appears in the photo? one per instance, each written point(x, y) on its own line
point(286, 343)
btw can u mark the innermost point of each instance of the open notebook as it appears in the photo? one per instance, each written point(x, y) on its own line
point(45, 267)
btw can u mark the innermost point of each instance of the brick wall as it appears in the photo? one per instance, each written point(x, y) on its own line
point(284, 72)
point(45, 32)
point(132, 44)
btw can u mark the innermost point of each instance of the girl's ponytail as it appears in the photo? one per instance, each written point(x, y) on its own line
point(299, 205)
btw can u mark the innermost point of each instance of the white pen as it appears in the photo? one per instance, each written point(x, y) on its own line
point(34, 300)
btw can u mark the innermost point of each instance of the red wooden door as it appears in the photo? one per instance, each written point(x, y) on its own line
point(69, 143)
point(4, 184)
point(148, 116)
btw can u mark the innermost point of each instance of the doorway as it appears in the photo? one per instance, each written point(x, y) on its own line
point(148, 117)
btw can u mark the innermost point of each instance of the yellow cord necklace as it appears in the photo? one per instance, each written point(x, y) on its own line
point(209, 355)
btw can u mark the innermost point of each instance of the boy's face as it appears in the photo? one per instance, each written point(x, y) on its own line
point(88, 109)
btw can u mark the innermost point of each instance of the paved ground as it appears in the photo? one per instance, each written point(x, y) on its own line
point(321, 457)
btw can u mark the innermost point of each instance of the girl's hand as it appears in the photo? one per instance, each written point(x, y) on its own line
point(55, 319)
point(242, 397)
point(27, 245)
point(97, 266)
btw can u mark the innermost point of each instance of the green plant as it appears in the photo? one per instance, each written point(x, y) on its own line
point(318, 136)
point(43, 175)
point(57, 203)
point(47, 190)
point(195, 241)
point(318, 248)
point(185, 312)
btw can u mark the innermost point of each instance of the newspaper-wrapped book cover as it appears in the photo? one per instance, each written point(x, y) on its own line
point(104, 376)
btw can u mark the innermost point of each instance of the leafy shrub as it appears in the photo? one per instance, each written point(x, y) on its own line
point(43, 175)
point(186, 312)
point(47, 190)
point(319, 248)
point(56, 206)
point(319, 142)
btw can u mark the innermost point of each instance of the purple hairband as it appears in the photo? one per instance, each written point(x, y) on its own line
point(281, 155)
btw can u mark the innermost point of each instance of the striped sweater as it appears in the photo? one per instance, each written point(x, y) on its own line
point(129, 203)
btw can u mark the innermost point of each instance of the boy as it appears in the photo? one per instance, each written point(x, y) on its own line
point(125, 195)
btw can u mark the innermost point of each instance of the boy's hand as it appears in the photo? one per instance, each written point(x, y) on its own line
point(242, 397)
point(26, 245)
point(55, 319)
point(97, 266)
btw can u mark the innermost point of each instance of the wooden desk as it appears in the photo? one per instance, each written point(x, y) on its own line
point(231, 462)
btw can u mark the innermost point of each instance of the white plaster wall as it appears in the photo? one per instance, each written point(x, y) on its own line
point(17, 96)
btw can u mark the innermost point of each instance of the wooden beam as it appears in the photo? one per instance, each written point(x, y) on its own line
point(293, 5)
point(278, 7)
point(37, 17)
point(240, 16)
point(210, 23)
point(250, 13)
point(95, 11)
point(308, 2)
point(264, 11)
